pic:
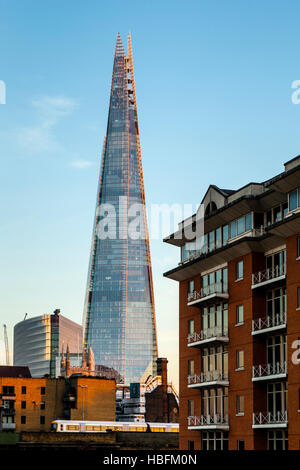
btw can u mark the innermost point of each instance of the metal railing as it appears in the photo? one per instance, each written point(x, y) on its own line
point(268, 274)
point(211, 289)
point(269, 369)
point(269, 322)
point(208, 420)
point(215, 332)
point(261, 419)
point(209, 376)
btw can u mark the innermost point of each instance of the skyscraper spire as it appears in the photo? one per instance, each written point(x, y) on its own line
point(119, 314)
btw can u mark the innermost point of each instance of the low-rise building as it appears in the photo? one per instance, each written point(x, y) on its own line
point(33, 403)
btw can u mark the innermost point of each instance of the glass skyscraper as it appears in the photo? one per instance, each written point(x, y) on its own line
point(119, 316)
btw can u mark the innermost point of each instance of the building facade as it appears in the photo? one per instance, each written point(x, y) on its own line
point(39, 340)
point(239, 318)
point(33, 403)
point(119, 316)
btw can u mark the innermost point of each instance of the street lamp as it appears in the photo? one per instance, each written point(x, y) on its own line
point(84, 387)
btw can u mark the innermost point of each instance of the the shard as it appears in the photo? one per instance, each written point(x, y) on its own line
point(119, 315)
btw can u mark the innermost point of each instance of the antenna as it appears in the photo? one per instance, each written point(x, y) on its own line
point(6, 345)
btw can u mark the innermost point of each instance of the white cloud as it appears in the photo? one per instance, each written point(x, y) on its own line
point(50, 110)
point(81, 164)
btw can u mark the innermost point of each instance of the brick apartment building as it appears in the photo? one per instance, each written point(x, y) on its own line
point(31, 404)
point(239, 318)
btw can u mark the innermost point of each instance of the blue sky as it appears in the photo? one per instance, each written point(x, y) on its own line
point(213, 82)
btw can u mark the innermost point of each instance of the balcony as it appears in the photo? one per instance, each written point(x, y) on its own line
point(203, 422)
point(269, 324)
point(208, 379)
point(8, 396)
point(268, 276)
point(270, 420)
point(8, 426)
point(208, 295)
point(190, 255)
point(210, 335)
point(269, 372)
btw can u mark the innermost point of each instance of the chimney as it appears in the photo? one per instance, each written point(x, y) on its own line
point(68, 364)
point(162, 370)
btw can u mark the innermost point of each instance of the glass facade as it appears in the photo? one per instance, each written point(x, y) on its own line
point(119, 317)
point(38, 343)
point(217, 238)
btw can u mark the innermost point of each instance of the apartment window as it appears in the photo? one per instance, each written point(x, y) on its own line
point(43, 390)
point(276, 263)
point(298, 247)
point(191, 327)
point(191, 408)
point(215, 282)
point(240, 405)
point(23, 419)
point(43, 405)
point(211, 241)
point(215, 358)
point(285, 208)
point(218, 241)
point(225, 234)
point(8, 390)
point(215, 402)
point(213, 440)
point(277, 397)
point(276, 303)
point(294, 199)
point(240, 445)
point(298, 298)
point(277, 440)
point(276, 350)
point(240, 359)
point(23, 390)
point(215, 318)
point(42, 419)
point(191, 445)
point(239, 270)
point(240, 314)
point(191, 287)
point(23, 405)
point(191, 367)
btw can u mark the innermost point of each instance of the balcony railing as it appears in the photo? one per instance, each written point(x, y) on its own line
point(213, 376)
point(268, 323)
point(8, 426)
point(215, 333)
point(206, 249)
point(263, 372)
point(279, 419)
point(218, 288)
point(209, 421)
point(268, 275)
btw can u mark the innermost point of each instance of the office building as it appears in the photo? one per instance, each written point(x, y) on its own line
point(38, 342)
point(119, 316)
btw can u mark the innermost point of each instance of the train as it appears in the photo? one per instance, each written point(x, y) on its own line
point(105, 426)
